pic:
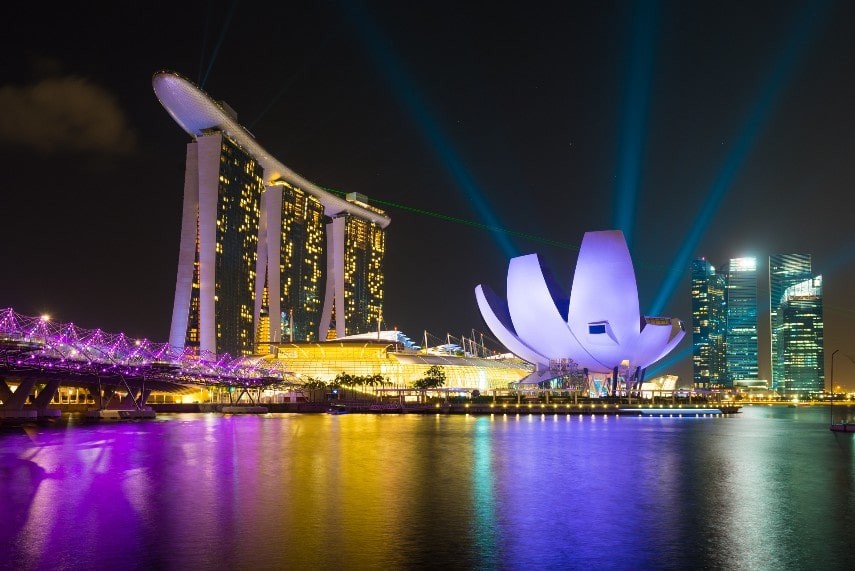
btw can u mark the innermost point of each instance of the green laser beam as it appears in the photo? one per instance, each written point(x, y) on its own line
point(463, 221)
point(447, 218)
point(532, 237)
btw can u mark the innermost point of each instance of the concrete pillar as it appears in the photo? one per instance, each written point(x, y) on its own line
point(106, 399)
point(5, 391)
point(187, 250)
point(19, 397)
point(129, 401)
point(46, 394)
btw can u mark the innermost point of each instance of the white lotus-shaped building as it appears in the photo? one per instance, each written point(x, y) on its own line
point(599, 326)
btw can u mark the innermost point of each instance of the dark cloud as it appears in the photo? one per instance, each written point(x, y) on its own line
point(67, 114)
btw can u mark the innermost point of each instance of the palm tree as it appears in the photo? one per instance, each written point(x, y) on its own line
point(370, 380)
point(312, 384)
point(360, 381)
point(339, 381)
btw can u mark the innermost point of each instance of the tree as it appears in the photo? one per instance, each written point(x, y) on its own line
point(433, 379)
point(343, 380)
point(312, 384)
point(436, 376)
point(376, 380)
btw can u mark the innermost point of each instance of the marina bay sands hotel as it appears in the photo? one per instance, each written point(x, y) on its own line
point(265, 255)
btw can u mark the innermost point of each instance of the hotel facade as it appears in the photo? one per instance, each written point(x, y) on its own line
point(265, 256)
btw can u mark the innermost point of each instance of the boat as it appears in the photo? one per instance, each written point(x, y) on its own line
point(843, 427)
point(337, 409)
point(670, 411)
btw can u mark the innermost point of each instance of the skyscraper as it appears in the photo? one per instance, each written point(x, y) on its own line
point(219, 236)
point(238, 249)
point(785, 270)
point(741, 300)
point(353, 301)
point(799, 340)
point(291, 256)
point(708, 326)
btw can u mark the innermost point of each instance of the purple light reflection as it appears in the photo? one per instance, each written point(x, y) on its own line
point(404, 491)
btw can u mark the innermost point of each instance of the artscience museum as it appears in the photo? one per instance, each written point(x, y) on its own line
point(596, 335)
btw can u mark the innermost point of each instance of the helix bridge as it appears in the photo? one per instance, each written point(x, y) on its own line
point(37, 353)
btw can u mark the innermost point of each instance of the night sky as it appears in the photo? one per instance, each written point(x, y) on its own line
point(717, 129)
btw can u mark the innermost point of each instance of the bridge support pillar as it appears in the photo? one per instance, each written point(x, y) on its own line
point(129, 401)
point(42, 400)
point(19, 397)
point(14, 401)
point(5, 391)
point(131, 406)
point(136, 398)
point(46, 395)
point(106, 397)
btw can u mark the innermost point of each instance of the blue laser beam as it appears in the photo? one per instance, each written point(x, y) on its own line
point(286, 85)
point(842, 257)
point(408, 95)
point(204, 43)
point(779, 76)
point(672, 360)
point(634, 115)
point(219, 44)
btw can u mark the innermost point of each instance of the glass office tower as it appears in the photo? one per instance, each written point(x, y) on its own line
point(800, 339)
point(785, 270)
point(741, 300)
point(708, 326)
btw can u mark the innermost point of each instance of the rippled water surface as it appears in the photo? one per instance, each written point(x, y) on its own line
point(768, 488)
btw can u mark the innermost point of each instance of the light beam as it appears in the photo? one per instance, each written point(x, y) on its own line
point(226, 26)
point(634, 115)
point(408, 95)
point(778, 78)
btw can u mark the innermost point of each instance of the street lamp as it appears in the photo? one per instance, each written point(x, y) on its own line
point(831, 408)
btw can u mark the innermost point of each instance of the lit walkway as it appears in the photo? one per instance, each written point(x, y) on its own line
point(38, 354)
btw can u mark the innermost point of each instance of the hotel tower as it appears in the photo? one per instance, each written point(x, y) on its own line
point(265, 255)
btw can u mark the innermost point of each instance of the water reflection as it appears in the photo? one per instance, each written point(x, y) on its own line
point(486, 528)
point(768, 488)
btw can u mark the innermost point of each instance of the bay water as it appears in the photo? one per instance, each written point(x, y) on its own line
point(767, 488)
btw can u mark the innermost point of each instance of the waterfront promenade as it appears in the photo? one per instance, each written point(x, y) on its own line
point(363, 407)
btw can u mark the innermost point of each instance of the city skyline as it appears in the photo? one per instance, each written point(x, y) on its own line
point(729, 341)
point(571, 119)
